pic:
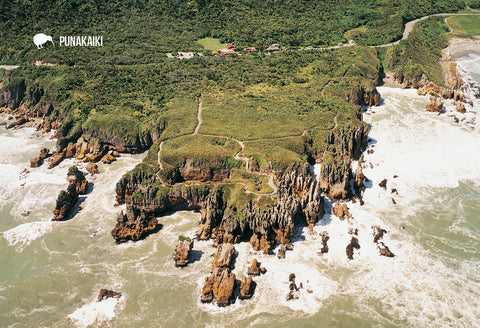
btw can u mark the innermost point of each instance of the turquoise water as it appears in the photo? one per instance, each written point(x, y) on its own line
point(52, 272)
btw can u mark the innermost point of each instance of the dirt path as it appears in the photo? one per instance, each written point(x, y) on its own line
point(199, 117)
point(409, 27)
point(8, 67)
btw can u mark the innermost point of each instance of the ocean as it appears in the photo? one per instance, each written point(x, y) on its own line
point(52, 271)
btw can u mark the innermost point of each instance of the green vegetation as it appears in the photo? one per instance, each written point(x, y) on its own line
point(183, 238)
point(211, 44)
point(465, 26)
point(419, 54)
point(253, 182)
point(141, 31)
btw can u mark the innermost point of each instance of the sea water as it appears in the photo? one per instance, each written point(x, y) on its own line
point(52, 271)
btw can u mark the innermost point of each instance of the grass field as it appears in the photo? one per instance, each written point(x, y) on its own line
point(211, 44)
point(465, 26)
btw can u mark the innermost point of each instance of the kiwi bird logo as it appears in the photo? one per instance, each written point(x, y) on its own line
point(40, 39)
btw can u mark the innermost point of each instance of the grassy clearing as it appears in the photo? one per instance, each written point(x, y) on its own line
point(201, 150)
point(465, 26)
point(254, 182)
point(181, 117)
point(211, 44)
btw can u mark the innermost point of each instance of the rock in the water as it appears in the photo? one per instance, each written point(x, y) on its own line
point(325, 238)
point(281, 252)
point(383, 184)
point(461, 107)
point(219, 286)
point(76, 177)
point(182, 252)
point(378, 233)
point(255, 269)
point(56, 159)
point(129, 228)
point(92, 168)
point(359, 176)
point(384, 250)
point(224, 256)
point(435, 105)
point(65, 202)
point(38, 161)
point(340, 210)
point(247, 288)
point(351, 246)
point(106, 293)
point(108, 158)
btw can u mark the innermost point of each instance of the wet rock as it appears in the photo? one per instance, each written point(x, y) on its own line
point(340, 210)
point(291, 277)
point(353, 231)
point(378, 233)
point(394, 201)
point(106, 293)
point(254, 269)
point(56, 159)
point(351, 246)
point(461, 107)
point(220, 286)
point(394, 191)
point(77, 178)
point(384, 250)
point(435, 105)
point(292, 295)
point(66, 200)
point(383, 184)
point(223, 256)
point(281, 252)
point(325, 238)
point(359, 176)
point(247, 288)
point(92, 168)
point(108, 158)
point(182, 252)
point(134, 228)
point(38, 161)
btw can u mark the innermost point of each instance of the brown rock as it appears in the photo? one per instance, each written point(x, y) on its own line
point(77, 178)
point(383, 184)
point(339, 210)
point(135, 229)
point(219, 286)
point(435, 105)
point(254, 269)
point(224, 256)
point(56, 159)
point(107, 159)
point(461, 107)
point(65, 202)
point(92, 168)
point(384, 251)
point(281, 252)
point(378, 233)
point(182, 252)
point(325, 238)
point(207, 291)
point(70, 150)
point(359, 177)
point(38, 161)
point(247, 288)
point(106, 293)
point(351, 246)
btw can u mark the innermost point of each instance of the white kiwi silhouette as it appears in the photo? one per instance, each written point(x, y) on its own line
point(40, 39)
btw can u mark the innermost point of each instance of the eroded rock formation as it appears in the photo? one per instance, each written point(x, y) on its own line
point(182, 252)
point(38, 161)
point(106, 293)
point(77, 185)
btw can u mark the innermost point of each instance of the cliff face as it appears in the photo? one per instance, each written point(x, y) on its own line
point(299, 195)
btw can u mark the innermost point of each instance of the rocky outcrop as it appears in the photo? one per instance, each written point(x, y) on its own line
point(461, 107)
point(182, 252)
point(351, 246)
point(359, 177)
point(134, 226)
point(38, 161)
point(340, 210)
point(247, 288)
point(435, 105)
point(77, 178)
point(383, 184)
point(255, 269)
point(378, 234)
point(66, 200)
point(106, 293)
point(55, 159)
point(221, 283)
point(13, 94)
point(325, 238)
point(92, 168)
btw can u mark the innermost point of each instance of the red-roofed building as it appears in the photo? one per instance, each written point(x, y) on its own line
point(230, 46)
